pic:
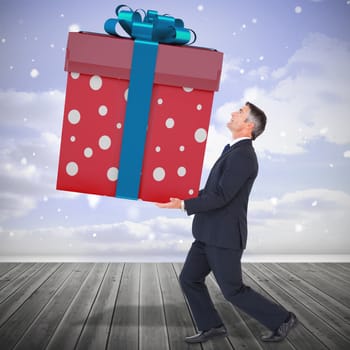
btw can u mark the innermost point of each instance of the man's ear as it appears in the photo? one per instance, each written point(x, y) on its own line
point(251, 126)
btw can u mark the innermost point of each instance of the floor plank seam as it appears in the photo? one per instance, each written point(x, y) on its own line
point(305, 306)
point(114, 308)
point(91, 307)
point(163, 307)
point(40, 312)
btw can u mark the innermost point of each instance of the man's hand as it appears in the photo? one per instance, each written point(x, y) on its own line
point(175, 203)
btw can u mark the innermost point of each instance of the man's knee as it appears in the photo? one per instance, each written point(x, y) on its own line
point(232, 293)
point(184, 281)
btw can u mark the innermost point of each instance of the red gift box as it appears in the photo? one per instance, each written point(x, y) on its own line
point(96, 97)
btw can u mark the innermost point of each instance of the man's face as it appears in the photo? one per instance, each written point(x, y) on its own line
point(238, 119)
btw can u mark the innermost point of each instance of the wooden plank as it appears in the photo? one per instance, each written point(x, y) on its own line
point(178, 319)
point(331, 304)
point(343, 266)
point(67, 333)
point(124, 332)
point(15, 301)
point(221, 343)
point(18, 323)
point(320, 329)
point(6, 267)
point(96, 330)
point(152, 318)
point(240, 335)
point(334, 270)
point(311, 275)
point(18, 282)
point(43, 327)
point(242, 327)
point(15, 273)
point(257, 281)
point(336, 277)
point(332, 319)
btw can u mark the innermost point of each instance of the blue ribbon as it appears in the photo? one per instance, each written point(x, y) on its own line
point(147, 32)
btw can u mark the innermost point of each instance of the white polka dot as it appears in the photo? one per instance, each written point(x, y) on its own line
point(126, 93)
point(182, 148)
point(199, 107)
point(95, 82)
point(72, 168)
point(187, 89)
point(160, 101)
point(119, 125)
point(190, 192)
point(72, 138)
point(75, 75)
point(170, 122)
point(157, 149)
point(200, 135)
point(102, 110)
point(181, 171)
point(112, 174)
point(158, 174)
point(104, 142)
point(88, 152)
point(74, 116)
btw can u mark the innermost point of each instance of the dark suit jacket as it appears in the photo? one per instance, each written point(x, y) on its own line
point(221, 207)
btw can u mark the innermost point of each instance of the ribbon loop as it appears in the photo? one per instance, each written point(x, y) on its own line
point(152, 27)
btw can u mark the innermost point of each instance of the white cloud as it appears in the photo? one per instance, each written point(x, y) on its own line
point(41, 111)
point(313, 221)
point(160, 236)
point(29, 153)
point(309, 97)
point(93, 200)
point(230, 65)
point(290, 224)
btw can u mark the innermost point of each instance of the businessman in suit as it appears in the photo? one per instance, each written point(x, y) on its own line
point(220, 232)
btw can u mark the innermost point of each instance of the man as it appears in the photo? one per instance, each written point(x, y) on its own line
point(220, 232)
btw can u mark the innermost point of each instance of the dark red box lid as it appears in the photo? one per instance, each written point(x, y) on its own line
point(106, 55)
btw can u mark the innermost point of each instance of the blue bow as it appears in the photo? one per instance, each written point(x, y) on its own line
point(157, 28)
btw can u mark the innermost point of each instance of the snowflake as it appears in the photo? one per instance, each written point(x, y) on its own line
point(34, 73)
point(298, 9)
point(74, 28)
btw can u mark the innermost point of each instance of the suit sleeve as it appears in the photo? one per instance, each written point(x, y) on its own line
point(235, 174)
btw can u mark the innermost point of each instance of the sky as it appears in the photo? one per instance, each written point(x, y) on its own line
point(291, 58)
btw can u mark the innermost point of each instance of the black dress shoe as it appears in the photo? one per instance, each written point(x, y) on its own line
point(282, 331)
point(203, 336)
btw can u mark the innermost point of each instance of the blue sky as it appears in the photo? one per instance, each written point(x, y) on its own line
point(289, 57)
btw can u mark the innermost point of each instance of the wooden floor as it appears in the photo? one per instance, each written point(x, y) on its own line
point(140, 306)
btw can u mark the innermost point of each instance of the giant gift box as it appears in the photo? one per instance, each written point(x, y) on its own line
point(170, 146)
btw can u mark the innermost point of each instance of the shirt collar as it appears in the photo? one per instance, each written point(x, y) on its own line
point(234, 141)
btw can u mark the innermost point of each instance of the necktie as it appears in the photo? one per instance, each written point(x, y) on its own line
point(226, 149)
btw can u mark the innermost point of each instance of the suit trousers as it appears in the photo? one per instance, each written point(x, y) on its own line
point(226, 266)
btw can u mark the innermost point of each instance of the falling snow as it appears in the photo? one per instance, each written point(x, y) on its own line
point(298, 9)
point(298, 228)
point(200, 7)
point(34, 73)
point(74, 28)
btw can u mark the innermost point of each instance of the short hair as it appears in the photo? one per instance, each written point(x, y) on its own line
point(258, 118)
